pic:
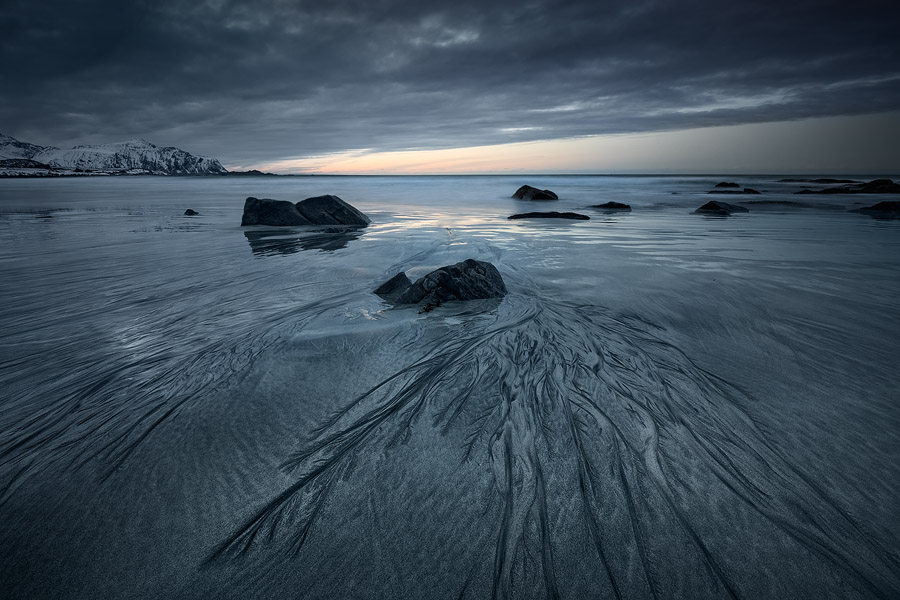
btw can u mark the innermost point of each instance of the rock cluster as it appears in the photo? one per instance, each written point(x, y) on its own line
point(319, 210)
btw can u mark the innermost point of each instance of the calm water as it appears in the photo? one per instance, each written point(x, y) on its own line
point(665, 405)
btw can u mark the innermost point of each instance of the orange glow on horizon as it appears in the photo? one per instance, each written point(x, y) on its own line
point(831, 144)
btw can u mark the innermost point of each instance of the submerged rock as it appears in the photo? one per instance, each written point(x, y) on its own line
point(876, 186)
point(727, 184)
point(715, 207)
point(191, 213)
point(526, 192)
point(743, 191)
point(820, 180)
point(890, 209)
point(614, 206)
point(793, 204)
point(550, 215)
point(319, 210)
point(467, 280)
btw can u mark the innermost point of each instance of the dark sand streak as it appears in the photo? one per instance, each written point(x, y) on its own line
point(638, 394)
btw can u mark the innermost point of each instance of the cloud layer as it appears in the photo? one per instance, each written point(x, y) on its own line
point(273, 80)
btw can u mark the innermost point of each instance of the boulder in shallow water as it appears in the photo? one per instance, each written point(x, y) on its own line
point(727, 184)
point(614, 206)
point(319, 210)
point(191, 213)
point(550, 215)
point(467, 280)
point(526, 192)
point(331, 210)
point(265, 211)
point(715, 207)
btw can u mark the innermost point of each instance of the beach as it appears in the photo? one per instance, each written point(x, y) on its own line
point(665, 404)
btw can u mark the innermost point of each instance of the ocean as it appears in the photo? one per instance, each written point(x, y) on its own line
point(664, 405)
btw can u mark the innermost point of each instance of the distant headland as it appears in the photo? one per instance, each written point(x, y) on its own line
point(132, 157)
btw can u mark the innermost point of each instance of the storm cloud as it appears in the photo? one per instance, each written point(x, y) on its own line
point(278, 79)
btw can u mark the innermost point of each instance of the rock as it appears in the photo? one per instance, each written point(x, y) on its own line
point(526, 192)
point(393, 287)
point(614, 206)
point(880, 186)
point(889, 209)
point(714, 207)
point(320, 210)
point(467, 280)
point(191, 213)
point(331, 210)
point(550, 215)
point(727, 184)
point(264, 211)
point(750, 191)
point(876, 186)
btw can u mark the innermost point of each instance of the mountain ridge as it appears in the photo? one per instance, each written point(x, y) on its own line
point(134, 157)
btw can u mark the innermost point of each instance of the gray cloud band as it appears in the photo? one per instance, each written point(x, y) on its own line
point(292, 79)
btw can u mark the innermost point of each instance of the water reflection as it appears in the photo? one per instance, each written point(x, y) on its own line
point(270, 242)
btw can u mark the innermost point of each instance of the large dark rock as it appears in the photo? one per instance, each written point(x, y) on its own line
point(526, 192)
point(320, 210)
point(550, 215)
point(612, 206)
point(331, 210)
point(715, 207)
point(727, 184)
point(467, 280)
point(264, 211)
point(191, 213)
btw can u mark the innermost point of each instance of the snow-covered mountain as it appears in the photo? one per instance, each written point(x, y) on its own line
point(133, 156)
point(10, 147)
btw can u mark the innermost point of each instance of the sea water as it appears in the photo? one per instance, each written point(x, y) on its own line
point(665, 405)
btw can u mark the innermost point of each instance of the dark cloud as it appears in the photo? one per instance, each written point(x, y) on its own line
point(257, 82)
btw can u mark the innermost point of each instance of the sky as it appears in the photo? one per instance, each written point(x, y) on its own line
point(383, 86)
